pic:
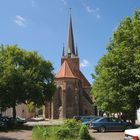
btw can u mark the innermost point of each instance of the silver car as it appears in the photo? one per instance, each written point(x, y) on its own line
point(132, 134)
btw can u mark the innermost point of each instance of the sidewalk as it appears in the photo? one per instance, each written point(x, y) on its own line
point(45, 122)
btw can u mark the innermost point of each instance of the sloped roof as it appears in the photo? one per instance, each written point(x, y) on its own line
point(65, 71)
point(80, 76)
point(87, 97)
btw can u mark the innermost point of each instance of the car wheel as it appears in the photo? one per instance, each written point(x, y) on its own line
point(102, 129)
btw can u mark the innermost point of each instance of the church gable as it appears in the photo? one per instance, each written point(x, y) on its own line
point(65, 71)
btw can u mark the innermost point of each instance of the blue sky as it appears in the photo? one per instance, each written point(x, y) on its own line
point(42, 26)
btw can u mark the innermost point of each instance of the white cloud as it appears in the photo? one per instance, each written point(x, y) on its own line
point(89, 9)
point(85, 63)
point(20, 21)
point(94, 11)
point(64, 2)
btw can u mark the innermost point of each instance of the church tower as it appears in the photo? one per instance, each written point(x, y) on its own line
point(72, 95)
point(70, 54)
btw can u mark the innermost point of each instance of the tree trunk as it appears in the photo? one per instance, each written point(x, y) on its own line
point(133, 118)
point(14, 112)
point(50, 110)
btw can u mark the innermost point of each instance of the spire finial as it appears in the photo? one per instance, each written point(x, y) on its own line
point(70, 11)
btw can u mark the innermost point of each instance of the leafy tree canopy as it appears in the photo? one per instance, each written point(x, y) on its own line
point(24, 77)
point(116, 87)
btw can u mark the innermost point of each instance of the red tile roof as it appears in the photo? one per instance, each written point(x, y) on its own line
point(65, 71)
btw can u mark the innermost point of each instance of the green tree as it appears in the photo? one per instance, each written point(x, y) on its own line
point(24, 77)
point(116, 86)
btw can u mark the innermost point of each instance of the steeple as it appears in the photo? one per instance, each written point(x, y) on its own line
point(63, 52)
point(70, 40)
point(76, 51)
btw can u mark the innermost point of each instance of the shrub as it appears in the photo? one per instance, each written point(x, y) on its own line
point(44, 132)
point(73, 127)
point(70, 130)
point(83, 133)
point(63, 133)
point(72, 124)
point(38, 133)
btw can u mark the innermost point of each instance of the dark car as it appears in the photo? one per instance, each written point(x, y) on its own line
point(17, 121)
point(87, 118)
point(110, 124)
point(87, 122)
point(4, 123)
point(77, 118)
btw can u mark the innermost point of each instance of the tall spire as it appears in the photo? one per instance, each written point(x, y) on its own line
point(76, 50)
point(63, 52)
point(70, 41)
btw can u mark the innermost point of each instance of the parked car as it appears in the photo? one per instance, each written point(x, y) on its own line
point(87, 122)
point(3, 123)
point(77, 118)
point(109, 124)
point(17, 121)
point(132, 134)
point(87, 118)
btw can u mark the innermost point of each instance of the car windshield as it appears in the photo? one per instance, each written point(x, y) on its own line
point(100, 119)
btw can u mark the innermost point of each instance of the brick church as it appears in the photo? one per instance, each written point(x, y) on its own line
point(73, 89)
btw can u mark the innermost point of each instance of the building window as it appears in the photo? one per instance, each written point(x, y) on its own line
point(60, 97)
point(69, 97)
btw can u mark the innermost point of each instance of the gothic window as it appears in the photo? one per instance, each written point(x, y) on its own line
point(60, 96)
point(76, 99)
point(86, 112)
point(69, 97)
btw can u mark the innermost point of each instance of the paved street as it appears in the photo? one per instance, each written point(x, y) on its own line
point(107, 135)
point(16, 135)
point(27, 134)
point(47, 122)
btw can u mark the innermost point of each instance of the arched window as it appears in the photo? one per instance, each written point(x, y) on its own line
point(60, 96)
point(86, 112)
point(69, 97)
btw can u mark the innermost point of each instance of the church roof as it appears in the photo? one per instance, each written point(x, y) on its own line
point(80, 76)
point(65, 71)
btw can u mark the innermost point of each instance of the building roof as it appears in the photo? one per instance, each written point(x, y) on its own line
point(80, 76)
point(65, 71)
